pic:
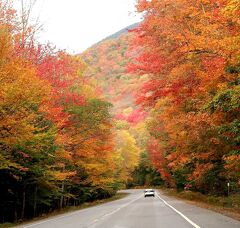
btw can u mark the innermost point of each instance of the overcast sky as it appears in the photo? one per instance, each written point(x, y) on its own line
point(75, 25)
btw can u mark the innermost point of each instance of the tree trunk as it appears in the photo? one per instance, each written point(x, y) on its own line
point(23, 202)
point(62, 198)
point(35, 201)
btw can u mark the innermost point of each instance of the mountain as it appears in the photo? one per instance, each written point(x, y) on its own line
point(121, 32)
point(107, 61)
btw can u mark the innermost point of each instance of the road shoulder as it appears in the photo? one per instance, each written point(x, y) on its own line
point(233, 213)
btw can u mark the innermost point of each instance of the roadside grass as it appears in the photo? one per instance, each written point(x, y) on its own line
point(67, 210)
point(229, 206)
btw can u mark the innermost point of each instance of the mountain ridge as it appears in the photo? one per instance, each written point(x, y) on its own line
point(117, 34)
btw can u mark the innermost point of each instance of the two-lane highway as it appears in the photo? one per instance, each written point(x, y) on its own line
point(135, 211)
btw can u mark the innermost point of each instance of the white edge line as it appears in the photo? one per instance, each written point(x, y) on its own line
point(181, 214)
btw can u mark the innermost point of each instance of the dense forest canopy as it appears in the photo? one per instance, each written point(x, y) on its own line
point(190, 51)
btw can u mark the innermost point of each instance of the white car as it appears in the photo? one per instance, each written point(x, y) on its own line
point(149, 192)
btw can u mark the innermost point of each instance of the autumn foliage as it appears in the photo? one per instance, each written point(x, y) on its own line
point(190, 51)
point(108, 61)
point(56, 139)
point(166, 109)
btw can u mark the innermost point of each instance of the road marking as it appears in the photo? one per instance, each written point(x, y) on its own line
point(181, 214)
point(118, 209)
point(114, 211)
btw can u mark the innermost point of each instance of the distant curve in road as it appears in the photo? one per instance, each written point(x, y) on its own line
point(135, 211)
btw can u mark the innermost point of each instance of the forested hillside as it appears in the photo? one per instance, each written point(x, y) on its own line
point(107, 63)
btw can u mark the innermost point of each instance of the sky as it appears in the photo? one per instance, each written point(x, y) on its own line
point(75, 25)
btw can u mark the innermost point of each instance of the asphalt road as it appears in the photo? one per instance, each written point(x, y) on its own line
point(135, 211)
